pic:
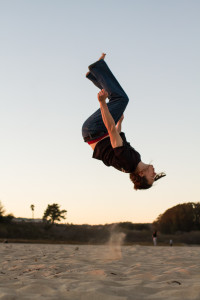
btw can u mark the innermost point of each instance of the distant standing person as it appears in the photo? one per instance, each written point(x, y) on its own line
point(155, 238)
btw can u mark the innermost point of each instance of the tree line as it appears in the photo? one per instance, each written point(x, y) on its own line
point(182, 217)
point(52, 214)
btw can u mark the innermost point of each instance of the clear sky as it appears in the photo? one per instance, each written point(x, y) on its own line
point(153, 48)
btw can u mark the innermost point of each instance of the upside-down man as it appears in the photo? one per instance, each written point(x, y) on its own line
point(102, 130)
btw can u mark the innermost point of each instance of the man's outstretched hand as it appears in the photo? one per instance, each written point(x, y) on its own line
point(102, 95)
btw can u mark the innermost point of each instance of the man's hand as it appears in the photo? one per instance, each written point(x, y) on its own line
point(102, 95)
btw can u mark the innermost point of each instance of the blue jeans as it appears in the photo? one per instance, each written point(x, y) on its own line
point(103, 78)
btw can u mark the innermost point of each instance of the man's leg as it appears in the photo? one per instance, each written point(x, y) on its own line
point(94, 127)
point(107, 80)
point(93, 79)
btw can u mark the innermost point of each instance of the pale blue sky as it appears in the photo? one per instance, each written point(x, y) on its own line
point(153, 49)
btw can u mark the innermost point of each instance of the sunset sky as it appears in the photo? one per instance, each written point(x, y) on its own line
point(153, 49)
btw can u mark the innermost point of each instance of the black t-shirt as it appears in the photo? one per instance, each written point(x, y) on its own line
point(124, 158)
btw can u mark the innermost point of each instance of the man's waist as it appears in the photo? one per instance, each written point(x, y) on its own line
point(98, 139)
point(94, 136)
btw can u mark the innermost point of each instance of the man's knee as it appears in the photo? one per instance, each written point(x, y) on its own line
point(125, 99)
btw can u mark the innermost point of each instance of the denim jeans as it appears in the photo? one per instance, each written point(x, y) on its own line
point(103, 78)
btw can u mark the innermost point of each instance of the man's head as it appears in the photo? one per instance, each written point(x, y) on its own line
point(149, 173)
point(145, 178)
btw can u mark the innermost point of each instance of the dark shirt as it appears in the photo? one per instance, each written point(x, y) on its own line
point(124, 158)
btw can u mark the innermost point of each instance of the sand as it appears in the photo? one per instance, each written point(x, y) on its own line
point(35, 271)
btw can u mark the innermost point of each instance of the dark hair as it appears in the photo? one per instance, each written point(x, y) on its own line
point(140, 183)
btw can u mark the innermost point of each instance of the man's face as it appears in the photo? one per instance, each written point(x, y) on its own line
point(149, 173)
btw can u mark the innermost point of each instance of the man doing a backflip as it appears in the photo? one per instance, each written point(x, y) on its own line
point(102, 130)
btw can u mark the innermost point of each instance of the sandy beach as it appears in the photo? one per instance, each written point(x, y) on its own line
point(35, 271)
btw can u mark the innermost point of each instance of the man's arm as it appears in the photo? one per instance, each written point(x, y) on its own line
point(115, 138)
point(119, 124)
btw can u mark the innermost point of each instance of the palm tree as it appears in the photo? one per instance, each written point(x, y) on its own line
point(32, 208)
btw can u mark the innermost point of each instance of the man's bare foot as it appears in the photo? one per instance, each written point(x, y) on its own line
point(102, 56)
point(87, 74)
